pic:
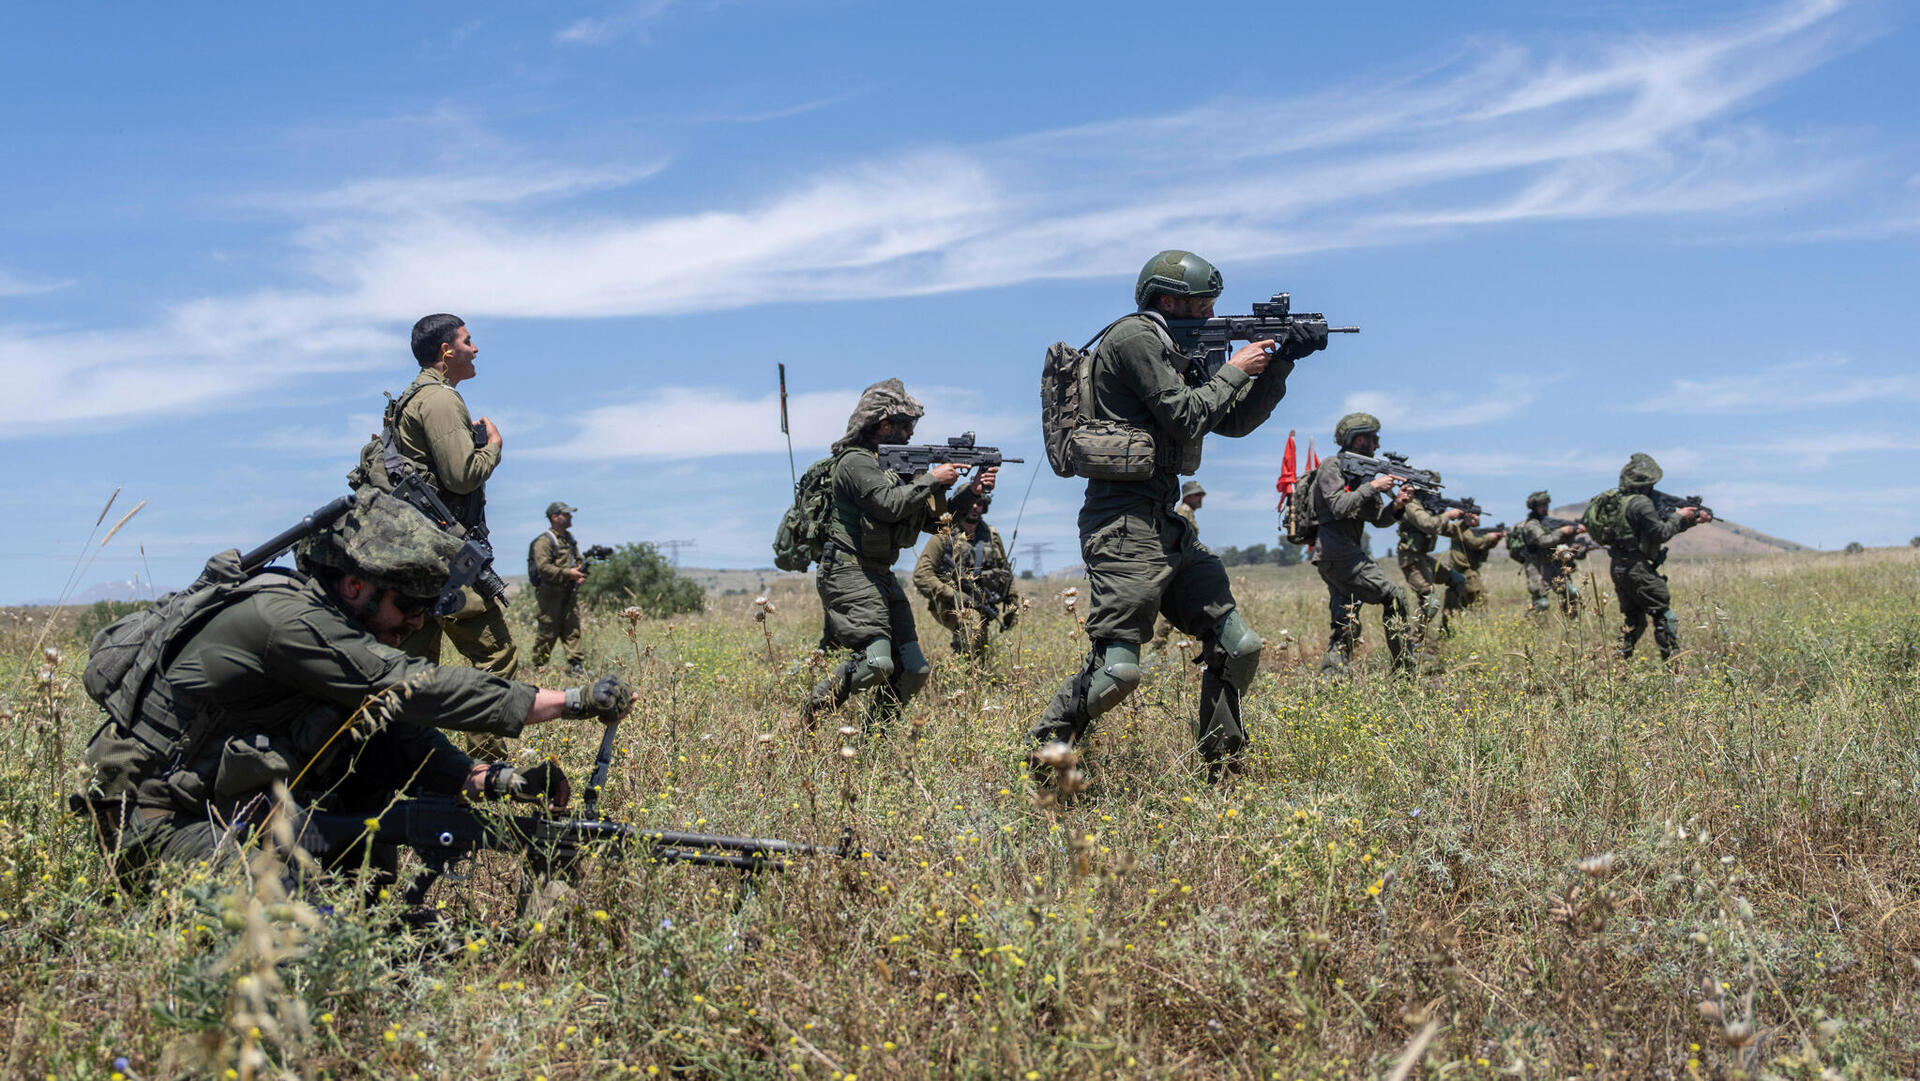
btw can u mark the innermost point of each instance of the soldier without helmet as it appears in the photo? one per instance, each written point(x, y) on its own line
point(262, 694)
point(554, 559)
point(1142, 557)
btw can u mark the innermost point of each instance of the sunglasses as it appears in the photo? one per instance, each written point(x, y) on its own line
point(411, 606)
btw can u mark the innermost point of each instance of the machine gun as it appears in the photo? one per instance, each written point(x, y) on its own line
point(1361, 468)
point(1271, 319)
point(445, 834)
point(911, 460)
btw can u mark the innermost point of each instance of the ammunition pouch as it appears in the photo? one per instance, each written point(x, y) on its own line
point(1110, 450)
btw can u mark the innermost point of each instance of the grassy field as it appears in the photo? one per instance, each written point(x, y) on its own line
point(1531, 861)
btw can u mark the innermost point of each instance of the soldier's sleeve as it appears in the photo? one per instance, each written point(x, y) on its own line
point(1251, 410)
point(926, 572)
point(1478, 542)
point(1422, 519)
point(1135, 362)
point(322, 655)
point(860, 480)
point(1647, 523)
point(458, 465)
point(1364, 503)
point(546, 559)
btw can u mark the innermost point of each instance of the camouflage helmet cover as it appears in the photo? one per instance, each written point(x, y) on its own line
point(1354, 424)
point(387, 542)
point(887, 398)
point(1176, 273)
point(1641, 471)
point(1539, 499)
point(1191, 487)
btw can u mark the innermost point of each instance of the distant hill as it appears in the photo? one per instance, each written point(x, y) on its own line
point(1716, 538)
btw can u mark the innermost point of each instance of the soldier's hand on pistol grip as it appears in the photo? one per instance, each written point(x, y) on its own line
point(985, 481)
point(609, 699)
point(1402, 497)
point(1304, 337)
point(577, 574)
point(1384, 481)
point(1451, 513)
point(1253, 357)
point(1570, 530)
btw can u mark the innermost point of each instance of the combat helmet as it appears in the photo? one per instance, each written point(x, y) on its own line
point(887, 398)
point(1176, 273)
point(1539, 499)
point(1641, 471)
point(1354, 424)
point(386, 541)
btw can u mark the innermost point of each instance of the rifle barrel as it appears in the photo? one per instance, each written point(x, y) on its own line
point(305, 527)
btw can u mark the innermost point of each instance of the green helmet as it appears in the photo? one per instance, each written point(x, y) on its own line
point(386, 541)
point(1354, 424)
point(1176, 273)
point(1641, 471)
point(1539, 499)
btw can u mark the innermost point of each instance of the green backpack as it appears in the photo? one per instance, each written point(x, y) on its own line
point(1516, 546)
point(1606, 517)
point(802, 535)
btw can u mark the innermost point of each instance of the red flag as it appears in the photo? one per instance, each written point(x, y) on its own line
point(1313, 460)
point(1289, 477)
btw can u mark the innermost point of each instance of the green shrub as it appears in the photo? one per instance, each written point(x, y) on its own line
point(638, 575)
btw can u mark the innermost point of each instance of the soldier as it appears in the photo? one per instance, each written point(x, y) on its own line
point(964, 574)
point(876, 513)
point(1191, 496)
point(1460, 567)
point(265, 690)
point(1420, 530)
point(1142, 557)
point(1353, 579)
point(1636, 558)
point(553, 561)
point(1547, 572)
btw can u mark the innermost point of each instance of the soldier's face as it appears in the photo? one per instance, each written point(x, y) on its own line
point(1196, 499)
point(397, 617)
point(1187, 307)
point(561, 522)
point(1366, 443)
point(459, 354)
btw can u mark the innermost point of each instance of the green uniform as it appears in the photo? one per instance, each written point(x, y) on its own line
point(262, 687)
point(968, 584)
point(1637, 581)
point(1420, 531)
point(1142, 557)
point(1459, 570)
point(1163, 627)
point(1353, 579)
point(1546, 573)
point(558, 597)
point(435, 433)
point(875, 515)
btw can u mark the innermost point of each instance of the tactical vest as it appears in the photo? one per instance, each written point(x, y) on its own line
point(872, 539)
point(381, 462)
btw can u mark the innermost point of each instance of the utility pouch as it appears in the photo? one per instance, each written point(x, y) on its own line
point(1110, 450)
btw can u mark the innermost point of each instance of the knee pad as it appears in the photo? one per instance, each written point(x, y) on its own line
point(1237, 649)
point(1116, 673)
point(1668, 622)
point(914, 670)
point(1541, 604)
point(874, 666)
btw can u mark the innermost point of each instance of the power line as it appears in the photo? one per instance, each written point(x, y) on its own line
point(673, 549)
point(1038, 549)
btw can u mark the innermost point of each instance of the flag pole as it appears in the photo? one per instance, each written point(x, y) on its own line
point(784, 429)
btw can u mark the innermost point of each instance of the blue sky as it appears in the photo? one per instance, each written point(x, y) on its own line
point(1570, 231)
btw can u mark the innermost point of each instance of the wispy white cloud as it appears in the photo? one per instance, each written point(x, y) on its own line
point(1404, 411)
point(19, 285)
point(633, 19)
point(1501, 135)
point(1783, 388)
point(704, 422)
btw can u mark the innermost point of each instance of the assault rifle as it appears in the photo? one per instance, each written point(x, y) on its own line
point(1360, 468)
point(1667, 504)
point(1436, 504)
point(1484, 530)
point(299, 531)
point(599, 553)
point(911, 460)
point(445, 834)
point(1271, 319)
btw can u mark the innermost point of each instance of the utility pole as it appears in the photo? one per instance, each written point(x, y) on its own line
point(1037, 549)
point(673, 548)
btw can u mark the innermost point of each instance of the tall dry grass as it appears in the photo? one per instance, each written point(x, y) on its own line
point(1529, 861)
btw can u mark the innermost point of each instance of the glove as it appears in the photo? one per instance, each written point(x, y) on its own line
point(544, 783)
point(609, 698)
point(1304, 337)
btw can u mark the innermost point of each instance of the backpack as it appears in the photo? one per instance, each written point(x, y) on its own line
point(1516, 546)
point(1079, 444)
point(1606, 517)
point(533, 571)
point(1296, 516)
point(802, 535)
point(126, 657)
